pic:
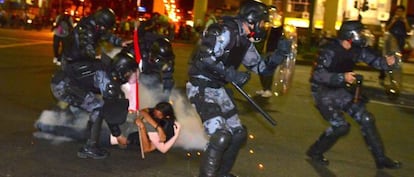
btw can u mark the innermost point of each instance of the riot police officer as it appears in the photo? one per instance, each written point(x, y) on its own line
point(87, 35)
point(331, 85)
point(157, 59)
point(159, 25)
point(95, 86)
point(223, 48)
point(274, 33)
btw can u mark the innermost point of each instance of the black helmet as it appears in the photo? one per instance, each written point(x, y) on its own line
point(253, 12)
point(161, 54)
point(210, 37)
point(354, 32)
point(105, 17)
point(123, 66)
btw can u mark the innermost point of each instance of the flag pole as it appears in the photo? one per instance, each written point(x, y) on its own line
point(138, 60)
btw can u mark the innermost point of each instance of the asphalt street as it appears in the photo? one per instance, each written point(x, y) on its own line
point(26, 68)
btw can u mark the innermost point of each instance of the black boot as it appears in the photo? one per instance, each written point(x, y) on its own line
point(210, 162)
point(212, 158)
point(317, 157)
point(323, 144)
point(375, 145)
point(239, 138)
point(91, 149)
point(387, 163)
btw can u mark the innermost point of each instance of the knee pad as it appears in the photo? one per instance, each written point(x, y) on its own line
point(341, 130)
point(366, 119)
point(239, 135)
point(220, 140)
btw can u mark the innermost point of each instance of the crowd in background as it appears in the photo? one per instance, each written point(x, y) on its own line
point(124, 25)
point(23, 20)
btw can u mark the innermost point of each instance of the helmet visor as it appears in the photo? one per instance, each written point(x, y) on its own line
point(360, 38)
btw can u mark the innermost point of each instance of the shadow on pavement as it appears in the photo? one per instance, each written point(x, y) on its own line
point(381, 173)
point(320, 169)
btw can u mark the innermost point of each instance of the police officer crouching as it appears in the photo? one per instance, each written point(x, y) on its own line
point(95, 86)
point(330, 80)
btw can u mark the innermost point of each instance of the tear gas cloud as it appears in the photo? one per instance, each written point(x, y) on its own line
point(192, 135)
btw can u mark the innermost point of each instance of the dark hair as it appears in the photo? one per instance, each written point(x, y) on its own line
point(168, 123)
point(166, 109)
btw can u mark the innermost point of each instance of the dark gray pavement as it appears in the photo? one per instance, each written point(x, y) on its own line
point(25, 70)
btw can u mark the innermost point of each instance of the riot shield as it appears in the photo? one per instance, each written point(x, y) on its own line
point(285, 71)
point(394, 82)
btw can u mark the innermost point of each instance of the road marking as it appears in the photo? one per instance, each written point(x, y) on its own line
point(392, 104)
point(16, 39)
point(25, 44)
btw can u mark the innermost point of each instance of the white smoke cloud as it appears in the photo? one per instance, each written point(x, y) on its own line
point(49, 118)
point(191, 137)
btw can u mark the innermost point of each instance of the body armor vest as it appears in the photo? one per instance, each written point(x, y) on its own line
point(233, 55)
point(84, 32)
point(82, 73)
point(342, 61)
point(238, 45)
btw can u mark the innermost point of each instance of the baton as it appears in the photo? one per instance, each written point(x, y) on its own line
point(138, 60)
point(255, 105)
point(140, 144)
point(359, 78)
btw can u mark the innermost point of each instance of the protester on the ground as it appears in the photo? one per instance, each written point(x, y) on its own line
point(151, 121)
point(161, 138)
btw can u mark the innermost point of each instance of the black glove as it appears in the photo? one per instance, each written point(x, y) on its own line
point(284, 46)
point(238, 77)
point(275, 59)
